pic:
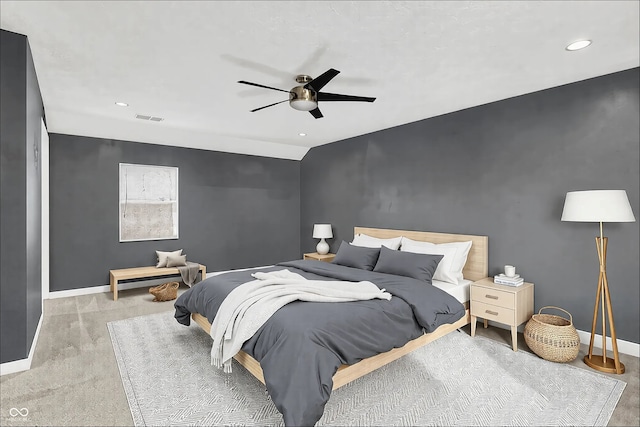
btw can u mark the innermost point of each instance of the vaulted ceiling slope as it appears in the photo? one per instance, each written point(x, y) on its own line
point(181, 61)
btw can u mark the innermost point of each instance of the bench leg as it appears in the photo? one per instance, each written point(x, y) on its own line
point(113, 284)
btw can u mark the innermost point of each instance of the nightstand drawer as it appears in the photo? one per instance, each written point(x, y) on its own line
point(493, 297)
point(493, 312)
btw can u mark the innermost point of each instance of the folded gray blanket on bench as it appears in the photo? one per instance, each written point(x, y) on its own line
point(189, 273)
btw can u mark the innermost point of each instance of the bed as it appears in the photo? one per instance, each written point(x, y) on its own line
point(398, 333)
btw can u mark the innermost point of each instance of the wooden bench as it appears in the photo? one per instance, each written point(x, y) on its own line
point(115, 276)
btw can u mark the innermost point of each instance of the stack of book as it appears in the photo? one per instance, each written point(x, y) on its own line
point(501, 279)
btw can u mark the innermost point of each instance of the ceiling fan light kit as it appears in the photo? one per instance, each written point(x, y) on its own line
point(306, 96)
point(302, 99)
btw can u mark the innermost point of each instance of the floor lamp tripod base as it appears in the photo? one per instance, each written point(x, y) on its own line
point(608, 365)
point(601, 362)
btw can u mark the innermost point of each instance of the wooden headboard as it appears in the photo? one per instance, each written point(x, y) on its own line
point(477, 266)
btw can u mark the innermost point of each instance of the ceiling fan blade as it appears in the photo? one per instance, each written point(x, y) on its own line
point(316, 113)
point(266, 87)
point(270, 105)
point(324, 78)
point(325, 96)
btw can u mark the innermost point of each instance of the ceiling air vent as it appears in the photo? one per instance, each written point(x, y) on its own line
point(149, 118)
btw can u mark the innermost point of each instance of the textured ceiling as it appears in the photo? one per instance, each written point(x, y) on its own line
point(181, 61)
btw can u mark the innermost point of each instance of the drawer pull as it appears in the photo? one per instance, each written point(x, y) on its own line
point(491, 296)
point(495, 313)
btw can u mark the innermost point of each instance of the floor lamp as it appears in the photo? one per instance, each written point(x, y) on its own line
point(600, 206)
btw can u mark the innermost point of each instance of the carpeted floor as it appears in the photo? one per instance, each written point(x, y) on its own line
point(74, 379)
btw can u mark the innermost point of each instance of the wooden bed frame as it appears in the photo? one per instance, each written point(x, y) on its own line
point(476, 268)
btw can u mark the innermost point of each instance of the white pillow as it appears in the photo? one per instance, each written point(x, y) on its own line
point(162, 257)
point(455, 257)
point(366, 241)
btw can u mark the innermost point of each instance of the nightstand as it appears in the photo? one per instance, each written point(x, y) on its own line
point(317, 257)
point(510, 305)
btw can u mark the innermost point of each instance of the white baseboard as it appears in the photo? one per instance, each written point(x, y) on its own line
point(22, 364)
point(125, 286)
point(105, 288)
point(98, 289)
point(626, 347)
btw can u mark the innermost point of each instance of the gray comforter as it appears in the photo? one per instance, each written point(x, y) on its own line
point(302, 345)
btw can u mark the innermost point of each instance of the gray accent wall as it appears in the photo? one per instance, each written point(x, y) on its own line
point(236, 210)
point(21, 111)
point(500, 170)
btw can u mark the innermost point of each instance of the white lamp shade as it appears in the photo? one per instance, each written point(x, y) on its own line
point(322, 231)
point(597, 206)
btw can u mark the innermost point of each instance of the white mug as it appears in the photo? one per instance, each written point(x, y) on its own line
point(509, 270)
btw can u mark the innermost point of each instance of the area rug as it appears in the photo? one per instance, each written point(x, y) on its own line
point(455, 380)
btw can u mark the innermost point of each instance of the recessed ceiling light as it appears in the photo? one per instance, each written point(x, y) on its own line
point(302, 134)
point(122, 104)
point(580, 44)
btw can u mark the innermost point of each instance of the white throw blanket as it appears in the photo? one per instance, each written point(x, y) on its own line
point(251, 304)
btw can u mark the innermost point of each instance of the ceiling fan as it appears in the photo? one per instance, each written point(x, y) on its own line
point(306, 96)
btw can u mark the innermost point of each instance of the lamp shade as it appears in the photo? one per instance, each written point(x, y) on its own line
point(597, 206)
point(322, 231)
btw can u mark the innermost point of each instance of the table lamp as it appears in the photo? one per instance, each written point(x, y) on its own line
point(600, 206)
point(322, 231)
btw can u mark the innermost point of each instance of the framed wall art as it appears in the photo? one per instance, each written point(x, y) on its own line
point(148, 205)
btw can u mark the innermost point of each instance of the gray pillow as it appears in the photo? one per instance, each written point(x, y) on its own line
point(356, 256)
point(418, 266)
point(176, 260)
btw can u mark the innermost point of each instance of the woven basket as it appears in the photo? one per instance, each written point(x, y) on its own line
point(551, 337)
point(165, 292)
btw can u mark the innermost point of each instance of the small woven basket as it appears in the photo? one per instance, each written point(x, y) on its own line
point(165, 292)
point(551, 337)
